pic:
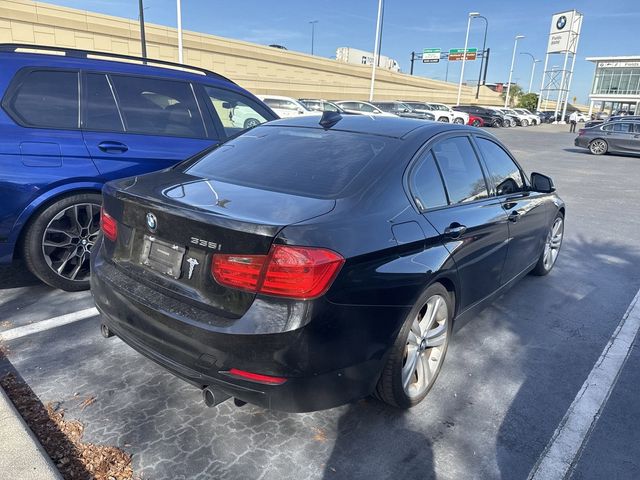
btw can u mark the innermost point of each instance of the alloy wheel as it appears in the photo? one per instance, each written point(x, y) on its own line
point(426, 345)
point(68, 238)
point(598, 147)
point(458, 121)
point(553, 243)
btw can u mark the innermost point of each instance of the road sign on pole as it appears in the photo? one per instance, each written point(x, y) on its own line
point(458, 53)
point(430, 55)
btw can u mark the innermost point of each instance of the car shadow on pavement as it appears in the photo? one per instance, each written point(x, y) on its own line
point(378, 441)
point(17, 275)
point(587, 295)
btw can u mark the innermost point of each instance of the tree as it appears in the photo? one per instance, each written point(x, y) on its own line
point(514, 93)
point(528, 101)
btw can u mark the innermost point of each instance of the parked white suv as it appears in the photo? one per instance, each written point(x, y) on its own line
point(442, 112)
point(533, 118)
point(286, 106)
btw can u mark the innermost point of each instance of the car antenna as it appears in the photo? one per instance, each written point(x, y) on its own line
point(329, 119)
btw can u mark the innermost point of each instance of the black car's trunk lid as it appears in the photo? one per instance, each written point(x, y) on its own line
point(170, 224)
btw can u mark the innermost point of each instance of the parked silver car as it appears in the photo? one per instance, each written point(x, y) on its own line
point(621, 137)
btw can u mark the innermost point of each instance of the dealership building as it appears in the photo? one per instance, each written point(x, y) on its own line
point(616, 84)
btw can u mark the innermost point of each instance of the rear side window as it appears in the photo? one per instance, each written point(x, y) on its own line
point(236, 112)
point(427, 184)
point(299, 161)
point(504, 173)
point(47, 99)
point(101, 111)
point(460, 169)
point(158, 107)
point(623, 127)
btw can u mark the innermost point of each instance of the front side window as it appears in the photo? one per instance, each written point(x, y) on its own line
point(504, 173)
point(460, 169)
point(47, 99)
point(363, 107)
point(158, 107)
point(101, 111)
point(235, 111)
point(427, 184)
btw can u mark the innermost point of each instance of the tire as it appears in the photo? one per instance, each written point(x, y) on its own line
point(598, 146)
point(458, 121)
point(443, 120)
point(476, 123)
point(507, 123)
point(496, 124)
point(524, 122)
point(251, 122)
point(58, 240)
point(552, 245)
point(407, 389)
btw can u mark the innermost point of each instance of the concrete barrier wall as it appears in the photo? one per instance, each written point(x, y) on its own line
point(260, 69)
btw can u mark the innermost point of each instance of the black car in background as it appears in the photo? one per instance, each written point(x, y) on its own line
point(311, 262)
point(491, 118)
point(401, 109)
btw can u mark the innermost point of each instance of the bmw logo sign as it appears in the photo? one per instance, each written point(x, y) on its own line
point(152, 222)
point(562, 21)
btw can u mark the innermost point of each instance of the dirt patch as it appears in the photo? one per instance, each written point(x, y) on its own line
point(62, 439)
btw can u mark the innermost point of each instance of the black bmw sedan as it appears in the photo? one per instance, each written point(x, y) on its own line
point(306, 264)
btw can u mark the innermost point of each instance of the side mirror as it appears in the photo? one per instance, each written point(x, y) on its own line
point(541, 183)
point(227, 105)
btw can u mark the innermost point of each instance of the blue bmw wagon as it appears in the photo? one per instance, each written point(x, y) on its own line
point(71, 120)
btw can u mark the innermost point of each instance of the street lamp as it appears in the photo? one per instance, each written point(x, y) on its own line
point(464, 53)
point(513, 59)
point(376, 48)
point(533, 68)
point(179, 15)
point(313, 33)
point(484, 48)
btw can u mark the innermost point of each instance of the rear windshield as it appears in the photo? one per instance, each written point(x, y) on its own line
point(300, 161)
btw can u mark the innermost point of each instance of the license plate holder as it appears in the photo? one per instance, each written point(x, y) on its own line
point(163, 257)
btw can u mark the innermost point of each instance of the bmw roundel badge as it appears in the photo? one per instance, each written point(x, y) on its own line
point(152, 222)
point(562, 21)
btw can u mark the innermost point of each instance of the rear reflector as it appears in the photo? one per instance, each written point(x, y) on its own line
point(108, 225)
point(256, 377)
point(294, 272)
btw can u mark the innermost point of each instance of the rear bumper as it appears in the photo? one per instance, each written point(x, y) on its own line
point(581, 142)
point(330, 361)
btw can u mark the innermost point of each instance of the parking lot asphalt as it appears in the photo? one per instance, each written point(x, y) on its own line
point(508, 380)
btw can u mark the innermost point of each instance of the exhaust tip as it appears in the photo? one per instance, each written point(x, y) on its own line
point(213, 397)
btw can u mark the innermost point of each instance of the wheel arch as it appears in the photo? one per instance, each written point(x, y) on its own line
point(42, 202)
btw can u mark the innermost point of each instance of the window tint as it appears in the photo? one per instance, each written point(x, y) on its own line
point(607, 128)
point(363, 107)
point(287, 105)
point(460, 169)
point(623, 127)
point(427, 184)
point(101, 112)
point(158, 107)
point(236, 112)
point(637, 127)
point(272, 102)
point(47, 99)
point(503, 172)
point(300, 161)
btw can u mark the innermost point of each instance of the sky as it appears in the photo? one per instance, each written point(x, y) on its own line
point(608, 28)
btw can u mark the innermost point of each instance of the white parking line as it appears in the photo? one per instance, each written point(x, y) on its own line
point(562, 451)
point(43, 325)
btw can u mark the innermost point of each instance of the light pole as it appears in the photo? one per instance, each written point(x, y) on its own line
point(464, 54)
point(376, 49)
point(313, 33)
point(179, 15)
point(484, 47)
point(513, 60)
point(143, 42)
point(533, 68)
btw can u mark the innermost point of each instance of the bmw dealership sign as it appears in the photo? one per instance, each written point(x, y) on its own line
point(564, 33)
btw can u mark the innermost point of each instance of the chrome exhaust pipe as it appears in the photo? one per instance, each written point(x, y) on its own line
point(213, 397)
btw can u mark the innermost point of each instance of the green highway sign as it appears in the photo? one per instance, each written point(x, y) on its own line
point(458, 53)
point(430, 55)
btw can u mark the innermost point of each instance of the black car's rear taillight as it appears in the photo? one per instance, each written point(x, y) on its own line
point(287, 271)
point(108, 225)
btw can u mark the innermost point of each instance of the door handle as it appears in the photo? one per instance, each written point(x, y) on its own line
point(113, 147)
point(514, 216)
point(455, 230)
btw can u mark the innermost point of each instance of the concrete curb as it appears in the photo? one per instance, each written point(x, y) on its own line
point(21, 455)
